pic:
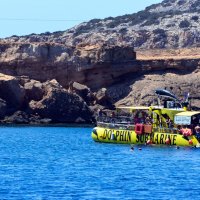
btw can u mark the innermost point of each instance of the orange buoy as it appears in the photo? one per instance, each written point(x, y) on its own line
point(167, 141)
point(190, 142)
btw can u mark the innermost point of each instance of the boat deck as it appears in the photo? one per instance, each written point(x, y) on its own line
point(126, 123)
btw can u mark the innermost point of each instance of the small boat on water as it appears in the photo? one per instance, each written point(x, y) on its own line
point(170, 124)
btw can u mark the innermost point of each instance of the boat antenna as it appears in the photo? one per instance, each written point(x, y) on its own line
point(158, 100)
point(186, 102)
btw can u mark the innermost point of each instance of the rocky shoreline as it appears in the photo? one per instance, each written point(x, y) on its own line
point(66, 76)
point(35, 89)
point(25, 101)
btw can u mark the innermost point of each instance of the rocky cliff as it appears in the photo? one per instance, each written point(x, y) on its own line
point(170, 24)
point(112, 75)
point(24, 100)
point(66, 76)
point(88, 65)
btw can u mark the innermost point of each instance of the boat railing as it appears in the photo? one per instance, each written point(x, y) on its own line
point(121, 122)
point(166, 130)
point(115, 119)
point(127, 123)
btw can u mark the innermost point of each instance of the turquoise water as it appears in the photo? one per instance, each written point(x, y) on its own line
point(65, 163)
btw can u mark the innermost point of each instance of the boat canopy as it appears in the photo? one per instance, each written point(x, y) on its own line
point(186, 118)
point(188, 113)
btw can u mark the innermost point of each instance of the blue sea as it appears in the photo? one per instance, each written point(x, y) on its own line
point(65, 163)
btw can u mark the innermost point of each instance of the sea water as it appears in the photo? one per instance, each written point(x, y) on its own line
point(65, 163)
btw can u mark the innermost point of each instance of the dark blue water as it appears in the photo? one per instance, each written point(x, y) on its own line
point(65, 163)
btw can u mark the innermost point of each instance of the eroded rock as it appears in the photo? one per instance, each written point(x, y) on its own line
point(84, 92)
point(34, 90)
point(61, 106)
point(3, 108)
point(102, 98)
point(11, 91)
point(19, 117)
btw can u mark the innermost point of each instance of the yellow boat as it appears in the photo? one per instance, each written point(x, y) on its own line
point(171, 124)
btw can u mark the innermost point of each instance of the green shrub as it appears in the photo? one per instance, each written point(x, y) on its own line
point(195, 18)
point(184, 24)
point(181, 2)
point(123, 30)
point(93, 21)
point(159, 31)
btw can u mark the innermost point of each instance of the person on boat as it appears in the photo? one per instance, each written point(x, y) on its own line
point(112, 117)
point(179, 129)
point(112, 137)
point(159, 120)
point(197, 132)
point(144, 116)
point(132, 117)
point(186, 132)
point(168, 122)
point(148, 120)
point(141, 117)
point(136, 119)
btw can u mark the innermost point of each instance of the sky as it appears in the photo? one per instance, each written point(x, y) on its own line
point(23, 17)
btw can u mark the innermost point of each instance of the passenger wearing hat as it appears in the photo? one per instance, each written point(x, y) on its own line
point(197, 132)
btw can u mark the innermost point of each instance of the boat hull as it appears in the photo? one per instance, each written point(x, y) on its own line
point(118, 136)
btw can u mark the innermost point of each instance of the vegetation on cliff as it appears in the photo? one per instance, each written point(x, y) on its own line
point(177, 21)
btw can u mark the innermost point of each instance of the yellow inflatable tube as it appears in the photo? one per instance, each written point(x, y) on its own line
point(107, 135)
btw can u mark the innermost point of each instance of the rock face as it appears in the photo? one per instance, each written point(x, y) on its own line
point(95, 77)
point(142, 88)
point(170, 24)
point(34, 90)
point(36, 102)
point(44, 62)
point(61, 106)
point(12, 92)
point(3, 108)
point(84, 92)
point(103, 98)
point(94, 65)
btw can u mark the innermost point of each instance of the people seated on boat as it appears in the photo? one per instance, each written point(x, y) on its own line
point(168, 122)
point(112, 117)
point(136, 119)
point(112, 114)
point(197, 132)
point(148, 120)
point(159, 120)
point(140, 114)
point(144, 115)
point(142, 120)
point(186, 132)
point(179, 129)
